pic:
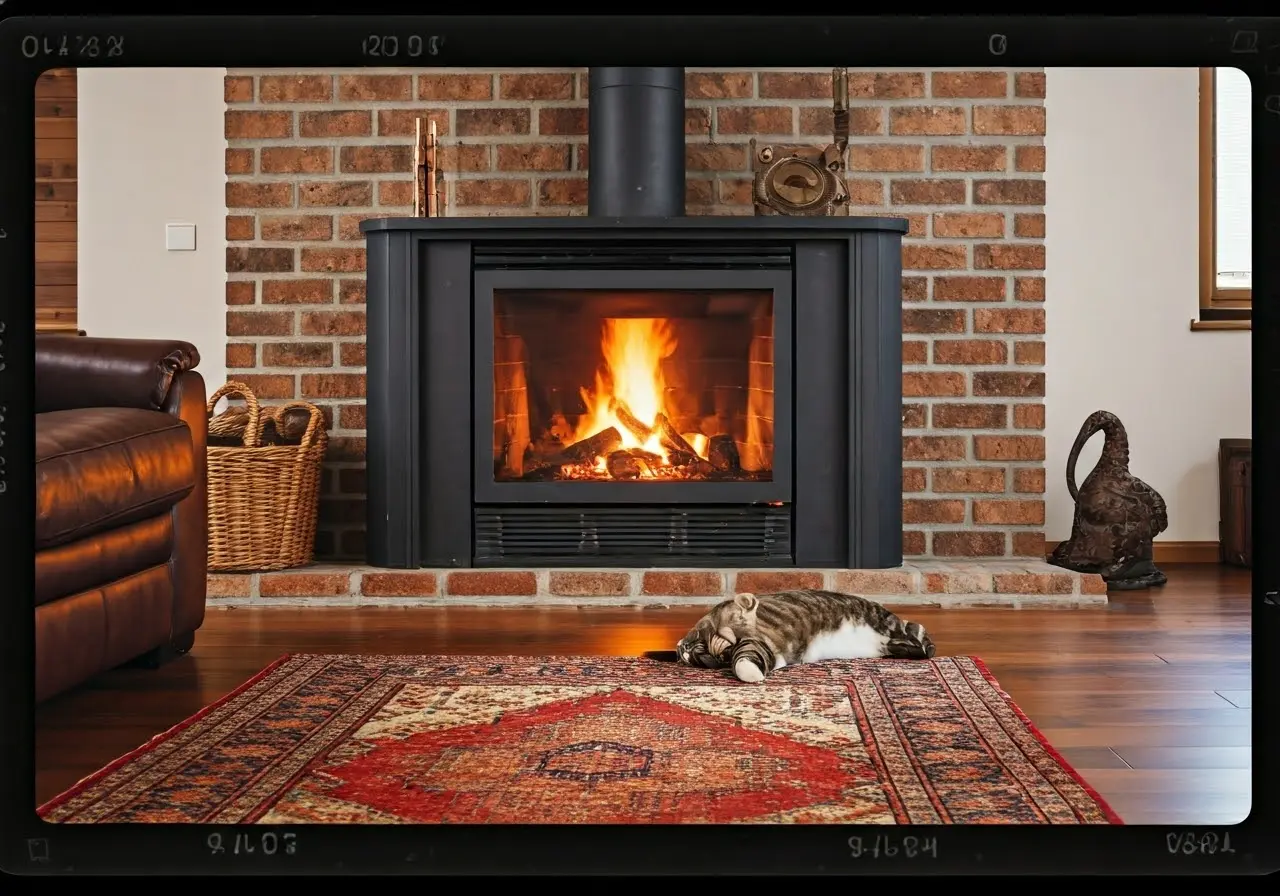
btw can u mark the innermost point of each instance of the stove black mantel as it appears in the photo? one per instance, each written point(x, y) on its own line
point(636, 387)
point(832, 496)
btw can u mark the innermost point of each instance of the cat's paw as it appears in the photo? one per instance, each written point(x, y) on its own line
point(748, 671)
point(922, 640)
point(913, 644)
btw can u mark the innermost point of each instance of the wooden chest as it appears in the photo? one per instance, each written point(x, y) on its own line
point(1235, 501)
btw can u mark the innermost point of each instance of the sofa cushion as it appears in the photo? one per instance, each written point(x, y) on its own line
point(99, 468)
point(102, 558)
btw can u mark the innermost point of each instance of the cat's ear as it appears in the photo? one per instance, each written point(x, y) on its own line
point(745, 601)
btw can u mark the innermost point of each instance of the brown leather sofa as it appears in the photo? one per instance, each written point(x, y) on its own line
point(120, 524)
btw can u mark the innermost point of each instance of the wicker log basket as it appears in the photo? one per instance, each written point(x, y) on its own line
point(263, 498)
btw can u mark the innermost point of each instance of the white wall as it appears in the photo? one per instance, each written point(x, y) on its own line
point(1121, 290)
point(151, 152)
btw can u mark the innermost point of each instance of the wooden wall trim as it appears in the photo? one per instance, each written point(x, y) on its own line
point(56, 200)
point(1211, 296)
point(1174, 551)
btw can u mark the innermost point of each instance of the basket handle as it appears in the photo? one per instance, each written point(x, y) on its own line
point(314, 425)
point(253, 430)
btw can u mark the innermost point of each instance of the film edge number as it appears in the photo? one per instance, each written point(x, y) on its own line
point(389, 46)
point(87, 46)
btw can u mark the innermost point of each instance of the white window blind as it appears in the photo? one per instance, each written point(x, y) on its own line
point(1233, 178)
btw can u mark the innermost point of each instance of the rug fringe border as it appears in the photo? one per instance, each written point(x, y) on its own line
point(1111, 815)
point(86, 782)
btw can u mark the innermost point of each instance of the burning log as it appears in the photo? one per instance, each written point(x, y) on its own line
point(648, 458)
point(672, 441)
point(542, 461)
point(622, 465)
point(545, 473)
point(722, 451)
point(680, 458)
point(602, 444)
point(652, 463)
point(536, 462)
point(630, 420)
point(679, 450)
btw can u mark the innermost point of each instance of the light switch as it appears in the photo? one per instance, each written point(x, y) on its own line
point(180, 237)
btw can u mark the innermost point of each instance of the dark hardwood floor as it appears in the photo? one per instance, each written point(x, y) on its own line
point(1149, 698)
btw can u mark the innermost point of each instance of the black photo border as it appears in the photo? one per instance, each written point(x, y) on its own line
point(282, 41)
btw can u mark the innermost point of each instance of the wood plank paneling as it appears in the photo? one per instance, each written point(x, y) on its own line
point(55, 273)
point(55, 211)
point(58, 253)
point(55, 231)
point(55, 108)
point(56, 190)
point(61, 320)
point(55, 169)
point(58, 149)
point(56, 195)
point(56, 129)
point(60, 297)
point(57, 84)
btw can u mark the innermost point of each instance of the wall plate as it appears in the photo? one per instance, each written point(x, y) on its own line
point(180, 237)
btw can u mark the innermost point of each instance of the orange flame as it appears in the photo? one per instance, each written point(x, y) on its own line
point(633, 350)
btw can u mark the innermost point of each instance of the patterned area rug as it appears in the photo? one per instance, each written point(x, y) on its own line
point(437, 739)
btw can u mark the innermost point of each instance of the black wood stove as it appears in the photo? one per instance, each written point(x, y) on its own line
point(635, 387)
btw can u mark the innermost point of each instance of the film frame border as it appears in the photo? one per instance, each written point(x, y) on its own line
point(534, 41)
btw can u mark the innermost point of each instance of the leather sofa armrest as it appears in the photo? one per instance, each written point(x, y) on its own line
point(86, 372)
point(189, 563)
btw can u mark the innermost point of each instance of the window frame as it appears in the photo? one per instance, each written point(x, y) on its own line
point(1220, 307)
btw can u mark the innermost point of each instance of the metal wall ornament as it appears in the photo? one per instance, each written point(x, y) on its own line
point(806, 181)
point(1117, 515)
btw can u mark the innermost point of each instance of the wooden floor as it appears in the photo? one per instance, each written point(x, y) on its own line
point(1149, 698)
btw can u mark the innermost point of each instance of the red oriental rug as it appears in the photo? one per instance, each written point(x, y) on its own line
point(438, 739)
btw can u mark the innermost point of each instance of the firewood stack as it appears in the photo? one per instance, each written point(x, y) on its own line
point(287, 428)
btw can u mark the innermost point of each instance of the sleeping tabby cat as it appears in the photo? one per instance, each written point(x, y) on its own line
point(757, 634)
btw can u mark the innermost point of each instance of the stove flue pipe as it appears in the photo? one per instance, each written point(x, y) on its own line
point(636, 152)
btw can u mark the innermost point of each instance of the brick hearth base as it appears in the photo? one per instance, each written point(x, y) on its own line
point(926, 583)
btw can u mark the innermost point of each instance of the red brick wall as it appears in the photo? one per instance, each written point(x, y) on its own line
point(960, 153)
